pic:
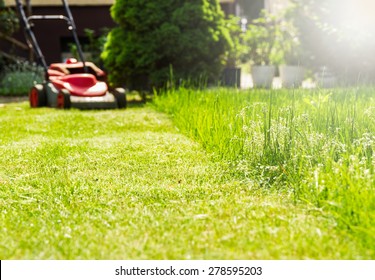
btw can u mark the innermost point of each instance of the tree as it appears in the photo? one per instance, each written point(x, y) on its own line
point(160, 39)
point(338, 34)
point(8, 20)
point(8, 25)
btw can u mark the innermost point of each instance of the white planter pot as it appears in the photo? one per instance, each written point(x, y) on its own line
point(326, 82)
point(325, 78)
point(263, 75)
point(291, 76)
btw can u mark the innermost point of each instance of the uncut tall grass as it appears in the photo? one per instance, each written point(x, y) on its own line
point(317, 145)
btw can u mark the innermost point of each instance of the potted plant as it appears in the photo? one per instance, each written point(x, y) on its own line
point(263, 48)
point(292, 73)
point(325, 78)
point(291, 70)
point(232, 71)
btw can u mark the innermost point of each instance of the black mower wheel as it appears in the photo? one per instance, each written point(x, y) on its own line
point(120, 96)
point(37, 96)
point(63, 99)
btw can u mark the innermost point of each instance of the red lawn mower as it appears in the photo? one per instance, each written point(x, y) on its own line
point(77, 84)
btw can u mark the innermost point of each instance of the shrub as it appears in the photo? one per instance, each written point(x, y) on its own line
point(17, 79)
point(154, 37)
point(8, 19)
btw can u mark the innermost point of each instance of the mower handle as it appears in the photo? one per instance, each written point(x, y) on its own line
point(69, 19)
point(37, 17)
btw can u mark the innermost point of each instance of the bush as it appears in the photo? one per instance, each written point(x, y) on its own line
point(8, 19)
point(17, 79)
point(157, 38)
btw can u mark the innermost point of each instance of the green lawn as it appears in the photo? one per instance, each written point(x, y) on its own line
point(126, 184)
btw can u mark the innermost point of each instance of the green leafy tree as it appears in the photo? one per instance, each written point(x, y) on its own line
point(237, 53)
point(8, 20)
point(8, 25)
point(163, 40)
point(338, 34)
point(261, 39)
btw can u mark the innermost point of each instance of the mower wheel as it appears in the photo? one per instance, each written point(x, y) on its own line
point(120, 96)
point(37, 96)
point(63, 99)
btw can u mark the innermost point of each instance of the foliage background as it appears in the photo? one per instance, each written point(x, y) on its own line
point(337, 34)
point(157, 41)
point(8, 25)
point(8, 19)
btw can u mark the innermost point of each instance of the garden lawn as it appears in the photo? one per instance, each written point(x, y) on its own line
point(125, 184)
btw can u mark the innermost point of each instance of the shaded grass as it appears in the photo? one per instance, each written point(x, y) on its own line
point(127, 185)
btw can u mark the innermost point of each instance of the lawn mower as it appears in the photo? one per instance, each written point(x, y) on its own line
point(77, 84)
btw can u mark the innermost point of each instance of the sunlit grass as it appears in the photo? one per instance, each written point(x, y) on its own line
point(126, 184)
point(317, 146)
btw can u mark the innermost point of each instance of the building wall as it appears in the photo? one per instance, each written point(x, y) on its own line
point(275, 6)
point(250, 9)
point(53, 35)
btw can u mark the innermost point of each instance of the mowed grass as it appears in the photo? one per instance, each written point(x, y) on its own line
point(126, 184)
